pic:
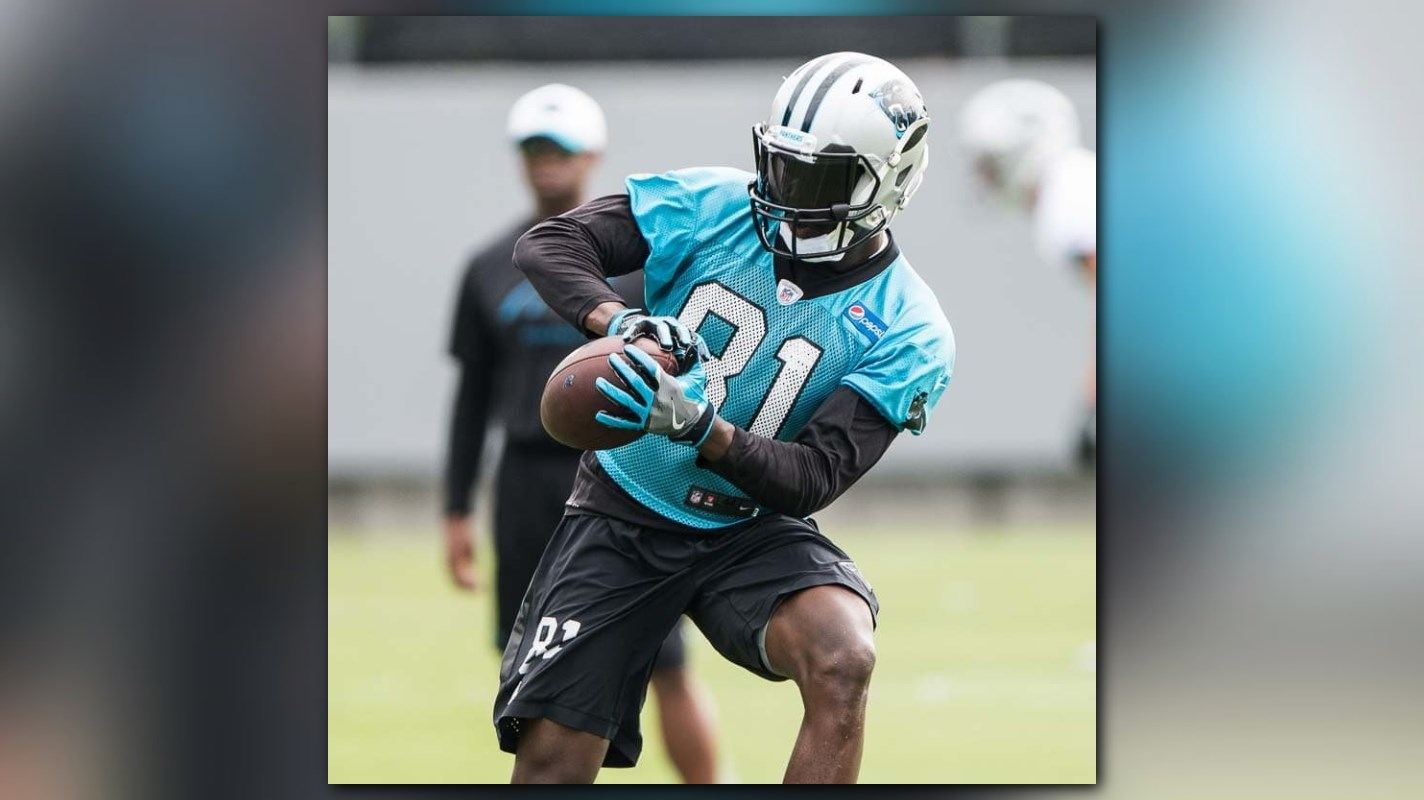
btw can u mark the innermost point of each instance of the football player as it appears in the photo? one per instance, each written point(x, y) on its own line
point(1023, 138)
point(507, 341)
point(807, 345)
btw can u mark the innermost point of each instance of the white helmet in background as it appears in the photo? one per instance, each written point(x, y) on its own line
point(1012, 129)
point(841, 154)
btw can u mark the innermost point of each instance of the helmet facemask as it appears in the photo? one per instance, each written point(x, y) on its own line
point(812, 205)
point(817, 204)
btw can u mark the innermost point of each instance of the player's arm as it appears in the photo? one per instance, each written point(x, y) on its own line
point(473, 347)
point(468, 420)
point(841, 442)
point(569, 258)
point(846, 436)
point(462, 467)
point(843, 439)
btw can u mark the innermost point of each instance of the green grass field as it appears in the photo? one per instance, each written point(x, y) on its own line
point(985, 671)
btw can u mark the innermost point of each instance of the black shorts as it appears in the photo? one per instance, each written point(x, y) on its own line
point(607, 592)
point(530, 490)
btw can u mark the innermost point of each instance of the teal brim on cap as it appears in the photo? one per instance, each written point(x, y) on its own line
point(558, 139)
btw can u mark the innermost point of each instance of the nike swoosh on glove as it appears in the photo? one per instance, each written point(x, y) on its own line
point(657, 402)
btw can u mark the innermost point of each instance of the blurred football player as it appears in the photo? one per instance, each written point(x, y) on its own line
point(807, 344)
point(507, 341)
point(1023, 138)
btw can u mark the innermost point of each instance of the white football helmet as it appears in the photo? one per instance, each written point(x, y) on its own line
point(1012, 129)
point(841, 154)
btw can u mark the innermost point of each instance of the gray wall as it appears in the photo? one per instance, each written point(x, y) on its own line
point(419, 175)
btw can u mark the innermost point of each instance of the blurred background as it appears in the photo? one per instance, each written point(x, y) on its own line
point(980, 535)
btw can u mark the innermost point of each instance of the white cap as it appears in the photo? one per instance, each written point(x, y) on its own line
point(562, 113)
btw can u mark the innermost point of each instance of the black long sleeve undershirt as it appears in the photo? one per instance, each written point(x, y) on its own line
point(843, 440)
point(469, 417)
point(568, 259)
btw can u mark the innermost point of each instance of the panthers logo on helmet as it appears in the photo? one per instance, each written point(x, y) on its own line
point(900, 103)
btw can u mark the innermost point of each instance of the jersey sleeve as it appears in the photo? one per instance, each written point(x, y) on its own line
point(903, 376)
point(676, 210)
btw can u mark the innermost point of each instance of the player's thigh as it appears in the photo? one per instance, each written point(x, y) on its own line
point(601, 586)
point(554, 753)
point(821, 631)
point(753, 571)
point(601, 602)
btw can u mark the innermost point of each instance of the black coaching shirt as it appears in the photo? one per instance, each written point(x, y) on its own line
point(507, 341)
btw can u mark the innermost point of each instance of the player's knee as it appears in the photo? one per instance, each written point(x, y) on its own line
point(839, 672)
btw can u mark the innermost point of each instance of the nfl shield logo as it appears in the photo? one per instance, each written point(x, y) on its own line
point(787, 292)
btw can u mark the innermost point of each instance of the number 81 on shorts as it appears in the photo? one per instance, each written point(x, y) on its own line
point(544, 636)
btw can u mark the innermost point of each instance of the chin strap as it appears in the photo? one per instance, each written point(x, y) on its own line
point(813, 244)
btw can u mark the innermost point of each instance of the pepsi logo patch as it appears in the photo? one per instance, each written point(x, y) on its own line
point(865, 321)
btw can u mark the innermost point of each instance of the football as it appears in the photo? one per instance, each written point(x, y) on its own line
point(571, 399)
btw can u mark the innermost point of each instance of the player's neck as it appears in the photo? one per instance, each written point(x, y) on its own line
point(859, 255)
point(875, 245)
point(862, 262)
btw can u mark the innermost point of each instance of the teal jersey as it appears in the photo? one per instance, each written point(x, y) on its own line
point(773, 362)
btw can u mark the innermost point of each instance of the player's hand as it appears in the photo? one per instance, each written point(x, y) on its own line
point(670, 333)
point(657, 402)
point(460, 553)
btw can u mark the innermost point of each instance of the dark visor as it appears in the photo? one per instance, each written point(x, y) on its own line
point(817, 184)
